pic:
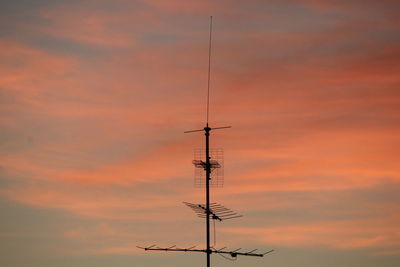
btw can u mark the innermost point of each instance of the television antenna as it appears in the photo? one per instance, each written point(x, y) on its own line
point(209, 211)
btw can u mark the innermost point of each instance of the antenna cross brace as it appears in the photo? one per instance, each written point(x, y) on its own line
point(217, 211)
point(232, 253)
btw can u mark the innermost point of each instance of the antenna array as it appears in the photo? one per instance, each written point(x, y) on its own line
point(209, 163)
point(217, 168)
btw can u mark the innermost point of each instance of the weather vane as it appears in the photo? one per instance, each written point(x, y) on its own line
point(211, 164)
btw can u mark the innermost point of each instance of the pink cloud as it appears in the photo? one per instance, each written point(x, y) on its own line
point(101, 137)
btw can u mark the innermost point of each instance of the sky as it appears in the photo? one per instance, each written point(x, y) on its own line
point(95, 97)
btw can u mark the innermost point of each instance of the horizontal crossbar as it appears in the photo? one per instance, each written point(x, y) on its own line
point(232, 253)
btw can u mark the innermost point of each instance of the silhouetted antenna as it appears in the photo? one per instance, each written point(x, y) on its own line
point(217, 167)
point(217, 211)
point(209, 161)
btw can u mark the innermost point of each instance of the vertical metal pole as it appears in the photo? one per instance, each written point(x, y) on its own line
point(208, 172)
point(208, 165)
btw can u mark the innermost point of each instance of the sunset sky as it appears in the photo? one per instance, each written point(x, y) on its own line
point(95, 97)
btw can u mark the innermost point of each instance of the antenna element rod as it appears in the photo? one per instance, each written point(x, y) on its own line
point(209, 69)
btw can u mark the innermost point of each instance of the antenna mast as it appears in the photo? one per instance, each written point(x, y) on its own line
point(209, 211)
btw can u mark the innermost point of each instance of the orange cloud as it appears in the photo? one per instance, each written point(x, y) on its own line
point(96, 131)
point(354, 234)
